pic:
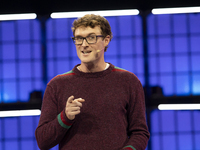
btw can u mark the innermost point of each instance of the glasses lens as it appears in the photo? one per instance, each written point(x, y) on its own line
point(91, 39)
point(78, 40)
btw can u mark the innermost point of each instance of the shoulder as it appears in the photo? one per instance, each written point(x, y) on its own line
point(125, 75)
point(62, 77)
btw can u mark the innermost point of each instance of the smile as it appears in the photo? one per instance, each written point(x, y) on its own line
point(86, 52)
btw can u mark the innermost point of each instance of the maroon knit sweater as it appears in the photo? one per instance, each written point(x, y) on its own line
point(112, 116)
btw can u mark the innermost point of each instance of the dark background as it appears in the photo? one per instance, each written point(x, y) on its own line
point(45, 7)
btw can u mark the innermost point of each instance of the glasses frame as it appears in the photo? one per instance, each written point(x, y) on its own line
point(85, 38)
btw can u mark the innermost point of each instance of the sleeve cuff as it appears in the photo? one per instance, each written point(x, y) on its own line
point(129, 147)
point(64, 121)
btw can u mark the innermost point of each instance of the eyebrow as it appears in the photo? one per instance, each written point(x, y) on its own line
point(85, 36)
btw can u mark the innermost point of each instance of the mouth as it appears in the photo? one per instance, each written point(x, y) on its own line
point(86, 52)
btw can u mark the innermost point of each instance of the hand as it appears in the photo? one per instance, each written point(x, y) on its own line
point(73, 107)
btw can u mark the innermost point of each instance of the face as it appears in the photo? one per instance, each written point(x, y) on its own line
point(91, 53)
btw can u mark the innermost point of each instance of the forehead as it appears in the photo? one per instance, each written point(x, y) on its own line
point(84, 31)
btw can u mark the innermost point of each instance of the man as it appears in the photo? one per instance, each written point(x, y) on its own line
point(95, 106)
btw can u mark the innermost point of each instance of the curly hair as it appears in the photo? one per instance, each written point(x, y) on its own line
point(92, 21)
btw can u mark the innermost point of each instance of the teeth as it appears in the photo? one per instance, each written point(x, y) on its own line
point(85, 52)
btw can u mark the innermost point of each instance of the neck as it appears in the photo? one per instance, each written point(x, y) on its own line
point(92, 67)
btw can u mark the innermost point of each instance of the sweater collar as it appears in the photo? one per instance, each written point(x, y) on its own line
point(93, 74)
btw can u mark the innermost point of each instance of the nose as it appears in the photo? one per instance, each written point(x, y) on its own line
point(85, 43)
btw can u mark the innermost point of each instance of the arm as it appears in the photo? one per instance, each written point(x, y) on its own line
point(53, 125)
point(137, 127)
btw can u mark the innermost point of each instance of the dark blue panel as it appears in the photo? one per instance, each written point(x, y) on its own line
point(164, 45)
point(23, 29)
point(73, 50)
point(62, 28)
point(168, 121)
point(49, 29)
point(152, 45)
point(184, 121)
point(138, 25)
point(165, 64)
point(11, 128)
point(141, 78)
point(54, 148)
point(182, 85)
point(128, 64)
point(27, 145)
point(8, 51)
point(8, 31)
point(0, 126)
point(50, 50)
point(36, 30)
point(24, 69)
point(181, 44)
point(138, 46)
point(74, 62)
point(126, 46)
point(196, 84)
point(9, 70)
point(62, 49)
point(36, 50)
point(181, 63)
point(139, 65)
point(153, 80)
point(113, 24)
point(163, 24)
point(70, 22)
point(166, 82)
point(197, 143)
point(155, 123)
point(180, 24)
point(194, 23)
point(37, 85)
point(169, 142)
point(125, 25)
point(25, 88)
point(112, 48)
point(151, 25)
point(26, 125)
point(195, 43)
point(195, 59)
point(62, 66)
point(37, 69)
point(51, 67)
point(24, 51)
point(156, 140)
point(113, 60)
point(185, 142)
point(153, 65)
point(10, 93)
point(197, 121)
point(11, 145)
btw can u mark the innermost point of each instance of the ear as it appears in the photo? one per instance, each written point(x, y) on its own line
point(107, 40)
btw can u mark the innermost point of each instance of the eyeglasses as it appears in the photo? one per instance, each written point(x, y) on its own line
point(91, 39)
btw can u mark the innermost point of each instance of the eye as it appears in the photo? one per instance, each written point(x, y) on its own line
point(91, 37)
point(78, 38)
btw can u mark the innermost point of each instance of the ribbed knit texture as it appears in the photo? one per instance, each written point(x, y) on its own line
point(112, 116)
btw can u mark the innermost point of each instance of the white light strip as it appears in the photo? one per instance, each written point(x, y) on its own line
point(102, 13)
point(175, 10)
point(179, 107)
point(17, 113)
point(17, 16)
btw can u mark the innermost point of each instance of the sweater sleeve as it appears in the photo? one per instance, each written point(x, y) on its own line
point(137, 127)
point(53, 125)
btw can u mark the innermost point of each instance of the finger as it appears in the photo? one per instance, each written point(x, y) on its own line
point(78, 102)
point(81, 100)
point(70, 99)
point(74, 113)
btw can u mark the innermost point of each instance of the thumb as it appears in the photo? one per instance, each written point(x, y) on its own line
point(70, 99)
